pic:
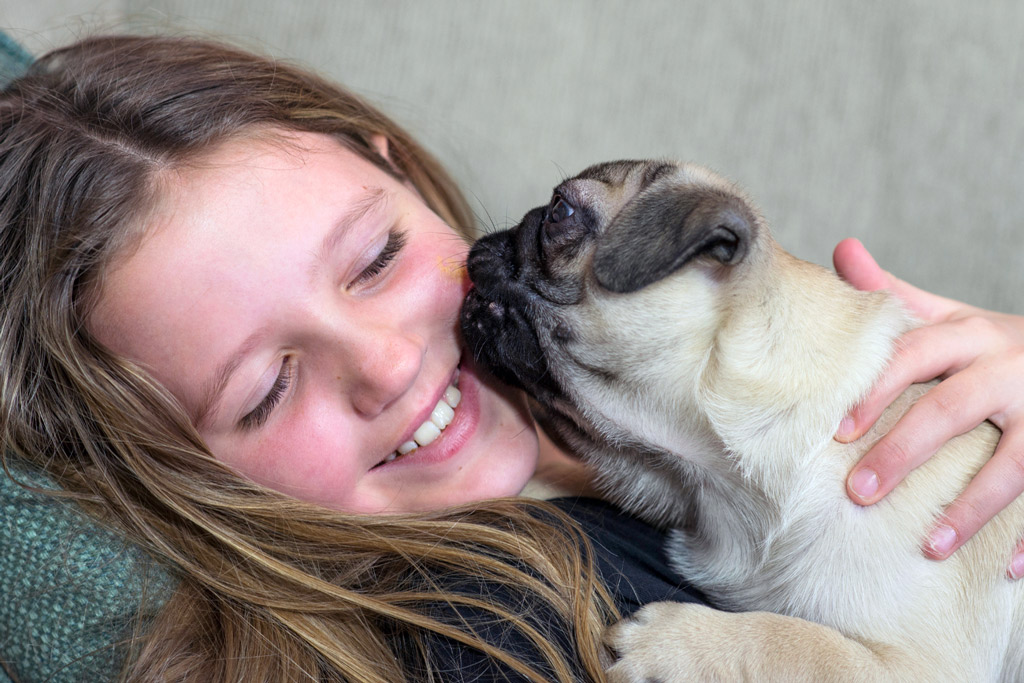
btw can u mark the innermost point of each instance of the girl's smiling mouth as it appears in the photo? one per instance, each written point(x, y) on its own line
point(440, 417)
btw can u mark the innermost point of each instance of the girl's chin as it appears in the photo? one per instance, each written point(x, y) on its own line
point(498, 469)
point(498, 483)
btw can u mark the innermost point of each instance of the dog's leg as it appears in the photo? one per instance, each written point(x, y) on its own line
point(668, 641)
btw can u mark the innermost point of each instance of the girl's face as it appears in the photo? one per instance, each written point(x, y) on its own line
point(303, 306)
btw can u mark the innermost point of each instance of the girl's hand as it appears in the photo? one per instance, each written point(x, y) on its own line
point(979, 357)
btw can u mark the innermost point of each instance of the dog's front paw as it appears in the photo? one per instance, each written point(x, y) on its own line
point(665, 642)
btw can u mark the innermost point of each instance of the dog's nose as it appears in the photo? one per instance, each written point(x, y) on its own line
point(489, 262)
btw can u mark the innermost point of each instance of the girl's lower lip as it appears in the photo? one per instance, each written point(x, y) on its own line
point(455, 435)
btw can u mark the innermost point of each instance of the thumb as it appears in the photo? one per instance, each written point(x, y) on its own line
point(854, 264)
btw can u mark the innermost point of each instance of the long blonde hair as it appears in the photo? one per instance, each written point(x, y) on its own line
point(271, 589)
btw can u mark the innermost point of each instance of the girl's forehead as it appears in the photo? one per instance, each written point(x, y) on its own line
point(255, 205)
point(255, 154)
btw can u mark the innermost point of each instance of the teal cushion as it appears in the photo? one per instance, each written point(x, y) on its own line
point(72, 590)
point(13, 59)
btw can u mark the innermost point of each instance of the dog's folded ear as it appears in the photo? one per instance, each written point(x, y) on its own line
point(660, 232)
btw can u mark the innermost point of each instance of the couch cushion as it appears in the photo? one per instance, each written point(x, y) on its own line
point(72, 589)
point(13, 59)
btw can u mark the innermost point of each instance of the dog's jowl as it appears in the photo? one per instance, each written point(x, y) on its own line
point(702, 371)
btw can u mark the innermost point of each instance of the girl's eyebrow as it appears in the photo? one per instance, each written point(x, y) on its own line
point(369, 202)
point(372, 201)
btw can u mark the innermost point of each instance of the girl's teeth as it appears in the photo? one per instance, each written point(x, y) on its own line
point(452, 396)
point(426, 434)
point(440, 417)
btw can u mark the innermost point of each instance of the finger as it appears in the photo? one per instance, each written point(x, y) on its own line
point(952, 407)
point(922, 354)
point(995, 486)
point(855, 264)
point(1016, 568)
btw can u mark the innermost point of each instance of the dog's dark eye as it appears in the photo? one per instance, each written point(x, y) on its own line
point(560, 210)
point(561, 224)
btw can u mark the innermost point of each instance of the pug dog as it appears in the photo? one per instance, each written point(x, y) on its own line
point(702, 371)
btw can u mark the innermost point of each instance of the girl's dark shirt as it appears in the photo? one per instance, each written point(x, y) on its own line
point(630, 558)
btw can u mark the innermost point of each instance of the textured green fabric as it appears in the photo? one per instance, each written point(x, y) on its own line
point(13, 59)
point(70, 589)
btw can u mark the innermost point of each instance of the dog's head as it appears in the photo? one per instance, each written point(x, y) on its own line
point(607, 301)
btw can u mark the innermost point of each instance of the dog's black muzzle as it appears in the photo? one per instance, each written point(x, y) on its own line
point(500, 314)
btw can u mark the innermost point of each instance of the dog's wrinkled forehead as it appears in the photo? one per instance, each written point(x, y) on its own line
point(626, 172)
point(649, 217)
point(606, 188)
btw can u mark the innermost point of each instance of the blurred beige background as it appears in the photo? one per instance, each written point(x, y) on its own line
point(900, 122)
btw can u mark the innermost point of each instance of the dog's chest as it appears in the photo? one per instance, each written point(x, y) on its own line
point(831, 588)
point(820, 560)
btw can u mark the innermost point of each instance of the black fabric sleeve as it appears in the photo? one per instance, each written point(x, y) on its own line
point(630, 555)
point(630, 559)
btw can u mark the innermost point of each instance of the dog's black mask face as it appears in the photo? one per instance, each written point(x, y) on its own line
point(514, 289)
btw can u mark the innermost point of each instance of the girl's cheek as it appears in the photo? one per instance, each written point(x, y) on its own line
point(309, 463)
point(452, 269)
point(454, 276)
point(440, 274)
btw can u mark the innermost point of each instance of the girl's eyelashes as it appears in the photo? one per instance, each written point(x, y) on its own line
point(258, 416)
point(396, 240)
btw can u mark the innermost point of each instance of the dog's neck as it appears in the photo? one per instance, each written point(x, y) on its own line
point(785, 373)
point(781, 377)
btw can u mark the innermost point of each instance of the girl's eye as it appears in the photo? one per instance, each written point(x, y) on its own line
point(258, 416)
point(396, 240)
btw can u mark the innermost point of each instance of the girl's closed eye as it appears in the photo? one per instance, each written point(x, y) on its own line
point(258, 416)
point(396, 240)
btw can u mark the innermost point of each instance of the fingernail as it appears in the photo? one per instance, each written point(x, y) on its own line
point(1016, 566)
point(845, 429)
point(864, 483)
point(942, 540)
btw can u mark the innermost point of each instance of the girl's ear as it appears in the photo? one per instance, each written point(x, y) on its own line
point(382, 146)
point(380, 143)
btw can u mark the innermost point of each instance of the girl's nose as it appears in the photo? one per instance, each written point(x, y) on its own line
point(387, 367)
